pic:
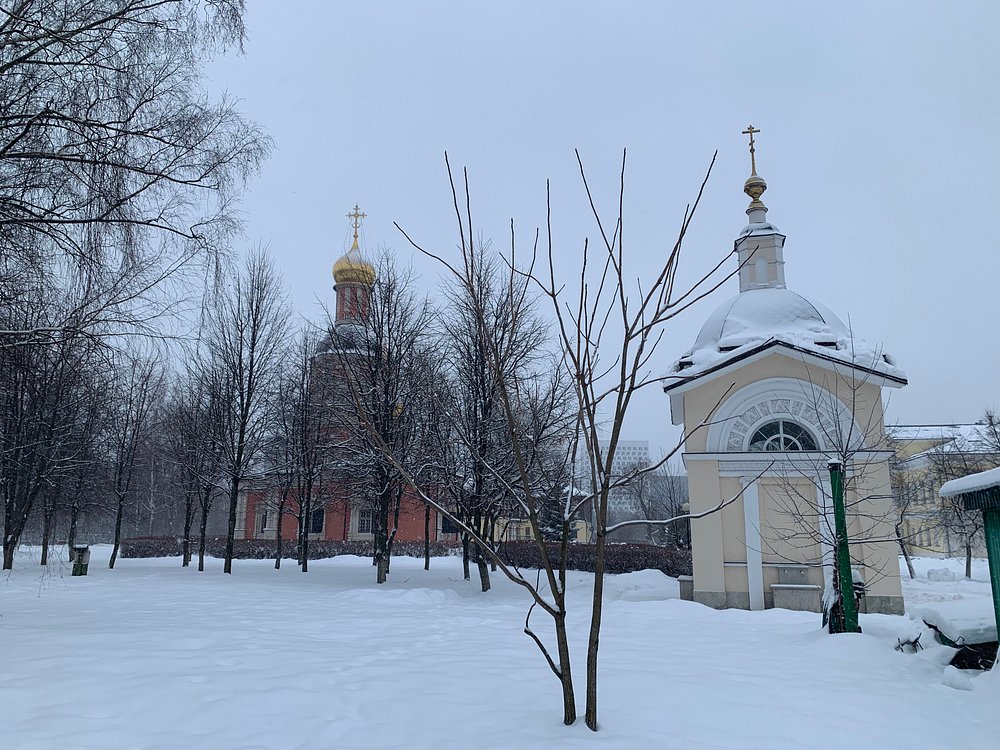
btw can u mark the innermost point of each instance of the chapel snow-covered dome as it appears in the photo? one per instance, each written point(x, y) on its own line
point(757, 318)
point(761, 314)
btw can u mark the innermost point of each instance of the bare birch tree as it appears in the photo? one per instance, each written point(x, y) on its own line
point(110, 151)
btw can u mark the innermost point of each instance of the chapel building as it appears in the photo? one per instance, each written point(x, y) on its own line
point(774, 388)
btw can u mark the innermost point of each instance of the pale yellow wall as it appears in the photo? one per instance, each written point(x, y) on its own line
point(783, 501)
point(734, 547)
point(872, 518)
point(706, 533)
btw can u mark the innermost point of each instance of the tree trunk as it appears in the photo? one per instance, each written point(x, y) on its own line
point(968, 557)
point(565, 671)
point(234, 496)
point(74, 517)
point(188, 522)
point(202, 534)
point(9, 545)
point(484, 572)
point(427, 537)
point(906, 553)
point(277, 533)
point(299, 534)
point(597, 608)
point(392, 534)
point(46, 531)
point(118, 531)
point(305, 512)
point(479, 556)
point(493, 545)
point(465, 557)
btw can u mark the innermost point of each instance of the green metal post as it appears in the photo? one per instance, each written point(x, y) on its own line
point(843, 552)
point(991, 527)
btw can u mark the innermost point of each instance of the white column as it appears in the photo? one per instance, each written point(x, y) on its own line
point(751, 530)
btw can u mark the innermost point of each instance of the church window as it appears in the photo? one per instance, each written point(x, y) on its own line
point(316, 521)
point(365, 521)
point(262, 514)
point(782, 435)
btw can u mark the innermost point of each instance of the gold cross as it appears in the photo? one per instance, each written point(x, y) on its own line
point(356, 216)
point(753, 160)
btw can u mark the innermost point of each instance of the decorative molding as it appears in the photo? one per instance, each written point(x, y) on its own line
point(752, 463)
point(807, 404)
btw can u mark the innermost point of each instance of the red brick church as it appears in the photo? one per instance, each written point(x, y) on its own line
point(339, 513)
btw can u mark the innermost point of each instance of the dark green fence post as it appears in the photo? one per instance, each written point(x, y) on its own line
point(991, 524)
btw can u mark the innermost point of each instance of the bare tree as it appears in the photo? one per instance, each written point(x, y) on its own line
point(379, 371)
point(658, 494)
point(488, 341)
point(605, 376)
point(905, 495)
point(609, 363)
point(965, 455)
point(109, 150)
point(245, 348)
point(118, 181)
point(299, 447)
point(41, 399)
point(192, 428)
point(136, 390)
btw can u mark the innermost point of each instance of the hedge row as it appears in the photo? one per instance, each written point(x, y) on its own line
point(619, 557)
point(264, 549)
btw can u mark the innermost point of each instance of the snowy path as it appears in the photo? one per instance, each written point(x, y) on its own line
point(154, 656)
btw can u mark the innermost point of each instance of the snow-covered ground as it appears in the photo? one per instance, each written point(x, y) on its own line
point(942, 595)
point(154, 656)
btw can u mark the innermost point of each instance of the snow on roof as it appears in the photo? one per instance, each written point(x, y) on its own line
point(971, 483)
point(908, 432)
point(758, 316)
point(949, 438)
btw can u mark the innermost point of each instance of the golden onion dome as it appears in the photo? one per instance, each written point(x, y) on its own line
point(352, 268)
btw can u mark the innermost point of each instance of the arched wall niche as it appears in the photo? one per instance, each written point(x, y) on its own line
point(821, 412)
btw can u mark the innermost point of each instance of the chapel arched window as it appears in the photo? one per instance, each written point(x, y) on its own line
point(782, 435)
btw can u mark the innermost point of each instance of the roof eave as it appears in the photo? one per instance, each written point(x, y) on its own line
point(832, 363)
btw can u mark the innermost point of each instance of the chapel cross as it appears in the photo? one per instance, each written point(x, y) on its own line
point(753, 161)
point(356, 216)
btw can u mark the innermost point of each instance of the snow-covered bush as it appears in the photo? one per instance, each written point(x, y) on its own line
point(941, 575)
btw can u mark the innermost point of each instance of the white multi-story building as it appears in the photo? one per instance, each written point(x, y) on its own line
point(629, 453)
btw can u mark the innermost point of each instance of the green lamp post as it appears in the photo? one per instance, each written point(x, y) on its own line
point(844, 618)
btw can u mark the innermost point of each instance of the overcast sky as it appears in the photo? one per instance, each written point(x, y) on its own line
point(879, 146)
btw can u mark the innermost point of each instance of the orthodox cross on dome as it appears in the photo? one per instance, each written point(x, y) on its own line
point(755, 185)
point(356, 216)
point(753, 161)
